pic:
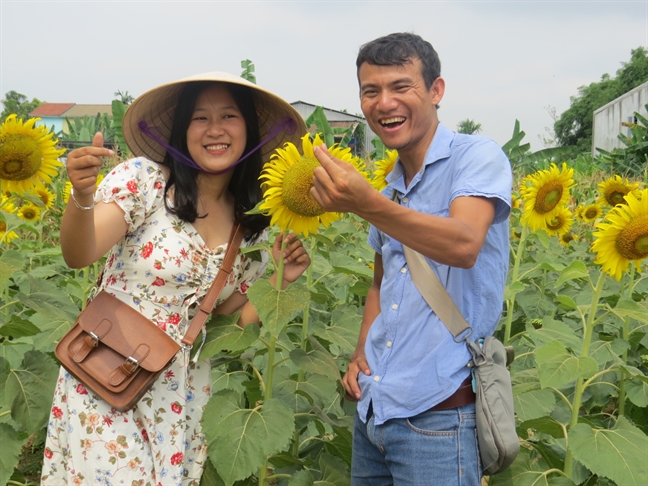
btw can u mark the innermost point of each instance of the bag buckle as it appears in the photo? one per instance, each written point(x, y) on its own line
point(134, 362)
point(94, 338)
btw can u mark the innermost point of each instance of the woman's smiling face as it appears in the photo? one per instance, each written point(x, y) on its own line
point(216, 136)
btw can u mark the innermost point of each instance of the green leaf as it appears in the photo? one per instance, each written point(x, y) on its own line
point(222, 380)
point(552, 330)
point(567, 302)
point(49, 301)
point(51, 332)
point(534, 404)
point(18, 327)
point(546, 425)
point(601, 352)
point(556, 367)
point(345, 264)
point(227, 336)
point(344, 329)
point(341, 444)
point(576, 269)
point(276, 307)
point(511, 290)
point(11, 447)
point(618, 453)
point(10, 262)
point(302, 478)
point(319, 119)
point(318, 360)
point(527, 472)
point(28, 390)
point(334, 471)
point(629, 308)
point(318, 387)
point(637, 392)
point(240, 439)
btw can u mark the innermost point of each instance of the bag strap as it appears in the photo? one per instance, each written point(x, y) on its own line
point(209, 301)
point(433, 291)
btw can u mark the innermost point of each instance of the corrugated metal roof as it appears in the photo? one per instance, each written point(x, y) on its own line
point(51, 109)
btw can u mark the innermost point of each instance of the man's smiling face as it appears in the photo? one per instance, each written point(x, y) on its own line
point(398, 106)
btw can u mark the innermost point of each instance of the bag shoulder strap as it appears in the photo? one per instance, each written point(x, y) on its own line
point(433, 291)
point(209, 301)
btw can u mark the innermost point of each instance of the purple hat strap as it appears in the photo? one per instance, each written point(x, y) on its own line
point(284, 124)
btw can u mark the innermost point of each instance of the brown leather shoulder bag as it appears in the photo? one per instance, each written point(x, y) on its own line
point(118, 353)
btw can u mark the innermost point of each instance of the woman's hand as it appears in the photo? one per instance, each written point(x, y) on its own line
point(83, 166)
point(296, 259)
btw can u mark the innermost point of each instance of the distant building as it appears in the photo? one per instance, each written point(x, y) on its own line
point(608, 119)
point(54, 114)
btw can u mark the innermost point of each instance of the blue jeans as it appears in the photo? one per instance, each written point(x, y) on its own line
point(436, 448)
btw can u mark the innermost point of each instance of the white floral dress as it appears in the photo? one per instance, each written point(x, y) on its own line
point(161, 267)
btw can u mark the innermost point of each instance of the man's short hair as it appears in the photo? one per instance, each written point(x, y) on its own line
point(400, 48)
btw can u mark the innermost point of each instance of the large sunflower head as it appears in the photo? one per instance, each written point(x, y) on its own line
point(624, 238)
point(288, 177)
point(559, 223)
point(383, 168)
point(29, 212)
point(614, 190)
point(27, 155)
point(545, 193)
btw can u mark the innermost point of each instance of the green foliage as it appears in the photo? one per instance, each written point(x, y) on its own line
point(83, 129)
point(468, 126)
point(574, 126)
point(19, 104)
point(248, 71)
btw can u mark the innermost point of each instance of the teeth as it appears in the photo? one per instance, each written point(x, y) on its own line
point(396, 119)
point(217, 147)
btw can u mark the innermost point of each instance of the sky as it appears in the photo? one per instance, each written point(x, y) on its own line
point(502, 60)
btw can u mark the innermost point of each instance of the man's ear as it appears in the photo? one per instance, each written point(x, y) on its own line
point(437, 90)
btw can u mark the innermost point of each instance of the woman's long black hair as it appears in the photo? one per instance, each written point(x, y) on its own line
point(244, 185)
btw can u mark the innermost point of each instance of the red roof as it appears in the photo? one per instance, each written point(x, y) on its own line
point(52, 109)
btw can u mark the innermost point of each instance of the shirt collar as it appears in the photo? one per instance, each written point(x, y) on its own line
point(438, 149)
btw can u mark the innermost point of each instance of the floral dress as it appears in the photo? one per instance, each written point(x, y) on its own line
point(162, 268)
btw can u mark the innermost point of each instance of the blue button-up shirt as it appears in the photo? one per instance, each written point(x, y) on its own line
point(415, 362)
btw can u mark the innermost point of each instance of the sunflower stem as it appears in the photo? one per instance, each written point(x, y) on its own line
point(580, 387)
point(625, 336)
point(514, 277)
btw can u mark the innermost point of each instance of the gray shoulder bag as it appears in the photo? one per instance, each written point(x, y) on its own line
point(496, 434)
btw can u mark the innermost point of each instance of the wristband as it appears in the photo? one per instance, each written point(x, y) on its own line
point(76, 203)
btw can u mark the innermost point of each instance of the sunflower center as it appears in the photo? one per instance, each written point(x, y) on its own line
point(632, 241)
point(548, 196)
point(616, 197)
point(20, 157)
point(3, 227)
point(556, 223)
point(567, 237)
point(29, 213)
point(591, 213)
point(296, 188)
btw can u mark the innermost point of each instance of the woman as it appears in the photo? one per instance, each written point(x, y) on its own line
point(165, 218)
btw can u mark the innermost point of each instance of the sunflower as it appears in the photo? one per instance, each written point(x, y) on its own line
point(545, 193)
point(383, 168)
point(27, 155)
point(29, 212)
point(559, 223)
point(625, 237)
point(288, 177)
point(613, 190)
point(8, 203)
point(589, 213)
point(46, 197)
point(4, 236)
point(67, 188)
point(566, 238)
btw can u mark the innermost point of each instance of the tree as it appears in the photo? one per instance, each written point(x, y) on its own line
point(19, 104)
point(124, 97)
point(574, 126)
point(248, 71)
point(468, 126)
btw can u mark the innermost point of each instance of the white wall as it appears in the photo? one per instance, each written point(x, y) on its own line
point(608, 118)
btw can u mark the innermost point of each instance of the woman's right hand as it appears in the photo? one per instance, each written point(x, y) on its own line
point(83, 166)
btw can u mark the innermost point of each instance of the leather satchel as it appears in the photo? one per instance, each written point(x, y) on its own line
point(118, 353)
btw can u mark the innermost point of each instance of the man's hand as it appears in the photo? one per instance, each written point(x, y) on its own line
point(357, 364)
point(296, 259)
point(338, 186)
point(83, 166)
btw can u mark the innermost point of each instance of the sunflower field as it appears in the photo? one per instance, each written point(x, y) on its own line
point(574, 310)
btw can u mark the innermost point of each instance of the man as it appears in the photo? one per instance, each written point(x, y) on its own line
point(415, 422)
